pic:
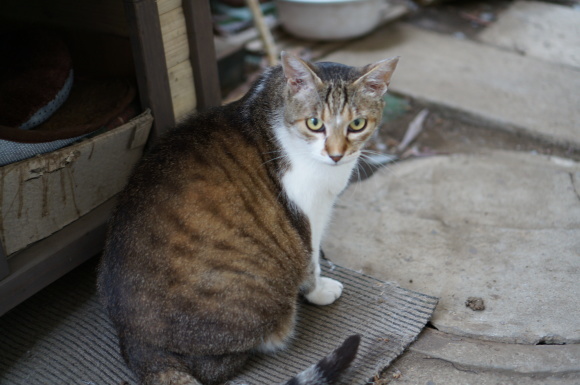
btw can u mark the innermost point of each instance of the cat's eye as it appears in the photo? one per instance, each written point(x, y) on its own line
point(357, 125)
point(315, 124)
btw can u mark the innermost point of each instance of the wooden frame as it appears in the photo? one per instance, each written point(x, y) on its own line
point(47, 260)
point(200, 38)
point(151, 68)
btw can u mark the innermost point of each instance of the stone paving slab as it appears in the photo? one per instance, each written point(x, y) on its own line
point(546, 31)
point(481, 82)
point(475, 354)
point(419, 369)
point(501, 226)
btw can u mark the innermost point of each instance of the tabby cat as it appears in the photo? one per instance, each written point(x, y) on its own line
point(218, 231)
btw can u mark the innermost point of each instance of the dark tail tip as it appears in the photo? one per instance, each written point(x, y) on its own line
point(350, 346)
point(331, 367)
point(336, 363)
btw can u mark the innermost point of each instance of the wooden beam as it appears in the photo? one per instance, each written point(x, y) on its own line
point(265, 34)
point(150, 66)
point(202, 53)
point(42, 263)
point(4, 269)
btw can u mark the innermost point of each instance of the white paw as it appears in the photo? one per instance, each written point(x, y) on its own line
point(327, 291)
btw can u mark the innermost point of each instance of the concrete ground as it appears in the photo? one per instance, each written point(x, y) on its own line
point(495, 234)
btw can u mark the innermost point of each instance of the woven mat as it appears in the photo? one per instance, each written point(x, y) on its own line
point(62, 336)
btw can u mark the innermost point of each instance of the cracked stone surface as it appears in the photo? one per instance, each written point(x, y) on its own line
point(502, 226)
point(547, 31)
point(417, 369)
point(484, 355)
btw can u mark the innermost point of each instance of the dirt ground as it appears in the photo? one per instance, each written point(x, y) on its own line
point(447, 134)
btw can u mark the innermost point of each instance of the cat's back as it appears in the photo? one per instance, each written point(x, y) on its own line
point(209, 178)
point(202, 214)
point(190, 163)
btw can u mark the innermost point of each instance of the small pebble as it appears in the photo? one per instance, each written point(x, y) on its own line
point(475, 303)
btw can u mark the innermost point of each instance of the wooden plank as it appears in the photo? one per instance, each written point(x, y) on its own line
point(42, 263)
point(174, 30)
point(4, 269)
point(182, 89)
point(150, 65)
point(165, 6)
point(202, 57)
point(265, 34)
point(42, 194)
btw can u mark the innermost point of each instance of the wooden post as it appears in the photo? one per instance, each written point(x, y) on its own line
point(265, 33)
point(202, 53)
point(150, 66)
point(4, 269)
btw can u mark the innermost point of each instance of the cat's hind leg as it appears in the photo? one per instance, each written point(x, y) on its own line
point(169, 377)
point(217, 369)
point(155, 366)
point(279, 338)
point(208, 369)
point(158, 366)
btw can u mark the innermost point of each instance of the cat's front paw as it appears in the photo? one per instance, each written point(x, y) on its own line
point(327, 291)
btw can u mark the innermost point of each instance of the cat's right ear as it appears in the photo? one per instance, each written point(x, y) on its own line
point(299, 75)
point(377, 77)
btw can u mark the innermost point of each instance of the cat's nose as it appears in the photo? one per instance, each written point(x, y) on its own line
point(336, 158)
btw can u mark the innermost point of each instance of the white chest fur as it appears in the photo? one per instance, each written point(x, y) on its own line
point(312, 185)
point(313, 188)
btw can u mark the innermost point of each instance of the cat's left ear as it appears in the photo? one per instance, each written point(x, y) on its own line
point(377, 76)
point(299, 75)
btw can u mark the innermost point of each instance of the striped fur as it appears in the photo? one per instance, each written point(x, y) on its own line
point(217, 232)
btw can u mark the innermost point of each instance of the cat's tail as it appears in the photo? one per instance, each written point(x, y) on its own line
point(331, 367)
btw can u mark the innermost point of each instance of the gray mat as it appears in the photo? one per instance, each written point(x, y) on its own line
point(62, 336)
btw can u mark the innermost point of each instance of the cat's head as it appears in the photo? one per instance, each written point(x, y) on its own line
point(331, 109)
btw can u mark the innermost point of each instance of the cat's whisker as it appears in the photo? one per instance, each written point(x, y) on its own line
point(357, 170)
point(375, 167)
point(390, 157)
point(373, 152)
point(359, 179)
point(367, 154)
point(273, 159)
point(355, 180)
point(368, 151)
point(363, 169)
point(273, 152)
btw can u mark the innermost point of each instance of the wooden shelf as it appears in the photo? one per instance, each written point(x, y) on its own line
point(27, 271)
point(47, 260)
